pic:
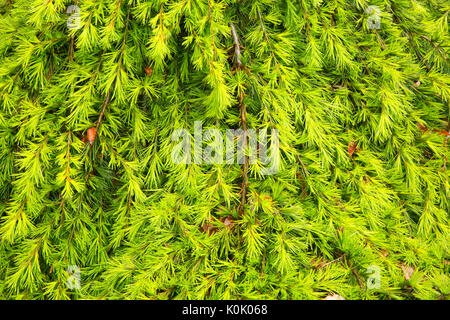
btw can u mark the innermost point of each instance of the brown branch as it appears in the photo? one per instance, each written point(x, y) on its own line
point(243, 119)
point(333, 261)
point(102, 113)
point(71, 49)
point(383, 45)
point(245, 168)
point(416, 50)
point(410, 37)
point(262, 27)
point(361, 284)
point(435, 46)
point(409, 34)
point(237, 47)
point(108, 96)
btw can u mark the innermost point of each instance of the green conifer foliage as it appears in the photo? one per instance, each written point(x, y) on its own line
point(87, 177)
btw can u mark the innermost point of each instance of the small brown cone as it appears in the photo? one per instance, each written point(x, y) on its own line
point(91, 133)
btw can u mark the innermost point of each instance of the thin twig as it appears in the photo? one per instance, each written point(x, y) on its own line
point(108, 96)
point(361, 284)
point(237, 47)
point(102, 113)
point(245, 168)
point(333, 261)
point(243, 120)
point(435, 46)
point(383, 45)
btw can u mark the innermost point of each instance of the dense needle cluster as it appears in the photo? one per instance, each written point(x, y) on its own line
point(86, 171)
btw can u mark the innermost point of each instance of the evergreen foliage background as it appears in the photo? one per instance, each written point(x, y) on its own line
point(363, 116)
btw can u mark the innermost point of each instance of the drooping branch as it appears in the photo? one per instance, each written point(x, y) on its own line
point(243, 118)
point(237, 47)
point(442, 53)
point(102, 113)
point(382, 44)
point(108, 96)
